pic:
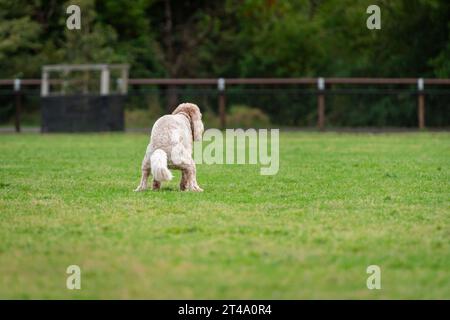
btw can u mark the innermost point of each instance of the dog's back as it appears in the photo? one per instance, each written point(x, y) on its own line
point(170, 130)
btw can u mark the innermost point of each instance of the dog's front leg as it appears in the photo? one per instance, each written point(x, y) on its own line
point(189, 178)
point(195, 186)
point(156, 185)
point(184, 179)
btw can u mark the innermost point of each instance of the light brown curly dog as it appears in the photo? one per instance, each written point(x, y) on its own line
point(170, 146)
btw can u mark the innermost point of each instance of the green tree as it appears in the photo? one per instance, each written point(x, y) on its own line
point(19, 40)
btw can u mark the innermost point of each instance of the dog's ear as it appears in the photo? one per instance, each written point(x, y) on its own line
point(193, 111)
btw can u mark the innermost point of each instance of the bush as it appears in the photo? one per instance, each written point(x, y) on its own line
point(141, 111)
point(139, 118)
point(210, 119)
point(242, 116)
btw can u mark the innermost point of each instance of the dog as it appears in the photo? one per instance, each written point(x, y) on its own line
point(171, 143)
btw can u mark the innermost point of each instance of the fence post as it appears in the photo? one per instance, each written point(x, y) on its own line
point(321, 104)
point(44, 83)
point(124, 77)
point(18, 104)
point(104, 81)
point(421, 104)
point(222, 114)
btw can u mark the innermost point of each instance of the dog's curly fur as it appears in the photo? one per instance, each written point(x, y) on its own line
point(170, 146)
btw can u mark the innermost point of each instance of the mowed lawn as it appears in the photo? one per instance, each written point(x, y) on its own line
point(340, 203)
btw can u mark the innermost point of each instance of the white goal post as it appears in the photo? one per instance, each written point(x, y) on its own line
point(105, 76)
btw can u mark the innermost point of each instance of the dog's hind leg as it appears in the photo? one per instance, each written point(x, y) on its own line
point(145, 167)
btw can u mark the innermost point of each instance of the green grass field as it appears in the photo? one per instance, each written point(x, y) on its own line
point(339, 203)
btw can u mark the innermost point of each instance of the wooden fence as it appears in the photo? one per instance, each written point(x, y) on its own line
point(322, 85)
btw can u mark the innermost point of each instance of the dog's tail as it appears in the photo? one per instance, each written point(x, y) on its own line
point(158, 163)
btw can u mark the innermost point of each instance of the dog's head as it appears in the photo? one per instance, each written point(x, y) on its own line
point(193, 112)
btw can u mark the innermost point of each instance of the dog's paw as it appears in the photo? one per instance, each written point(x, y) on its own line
point(140, 188)
point(197, 189)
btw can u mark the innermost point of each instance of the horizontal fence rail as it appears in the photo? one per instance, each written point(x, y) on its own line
point(274, 81)
point(322, 88)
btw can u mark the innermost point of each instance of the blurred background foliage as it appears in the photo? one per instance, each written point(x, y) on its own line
point(241, 38)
